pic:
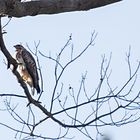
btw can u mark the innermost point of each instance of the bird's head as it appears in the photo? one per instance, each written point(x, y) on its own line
point(19, 47)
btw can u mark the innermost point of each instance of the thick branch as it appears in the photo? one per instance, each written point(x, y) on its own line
point(16, 8)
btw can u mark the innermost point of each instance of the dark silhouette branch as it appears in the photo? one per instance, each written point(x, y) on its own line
point(12, 95)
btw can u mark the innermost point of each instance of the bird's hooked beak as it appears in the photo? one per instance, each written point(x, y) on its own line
point(17, 47)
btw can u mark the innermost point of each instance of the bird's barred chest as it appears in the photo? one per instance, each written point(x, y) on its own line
point(19, 58)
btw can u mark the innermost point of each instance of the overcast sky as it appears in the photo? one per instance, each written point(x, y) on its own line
point(118, 27)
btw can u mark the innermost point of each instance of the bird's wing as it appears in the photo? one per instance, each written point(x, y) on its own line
point(31, 68)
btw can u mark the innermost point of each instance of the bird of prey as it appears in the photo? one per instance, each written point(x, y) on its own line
point(27, 68)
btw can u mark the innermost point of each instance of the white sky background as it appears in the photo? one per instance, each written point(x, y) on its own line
point(118, 27)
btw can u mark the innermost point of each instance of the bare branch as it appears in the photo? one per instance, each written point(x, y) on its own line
point(91, 43)
point(128, 60)
point(12, 95)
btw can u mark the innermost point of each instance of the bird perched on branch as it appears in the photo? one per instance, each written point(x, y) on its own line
point(27, 68)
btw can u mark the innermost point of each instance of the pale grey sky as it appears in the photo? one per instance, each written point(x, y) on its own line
point(118, 28)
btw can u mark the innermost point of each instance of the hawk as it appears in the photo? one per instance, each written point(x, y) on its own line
point(27, 68)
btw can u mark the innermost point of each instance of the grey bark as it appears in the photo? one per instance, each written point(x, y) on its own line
point(16, 8)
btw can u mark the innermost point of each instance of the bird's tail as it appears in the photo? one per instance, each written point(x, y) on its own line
point(37, 89)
